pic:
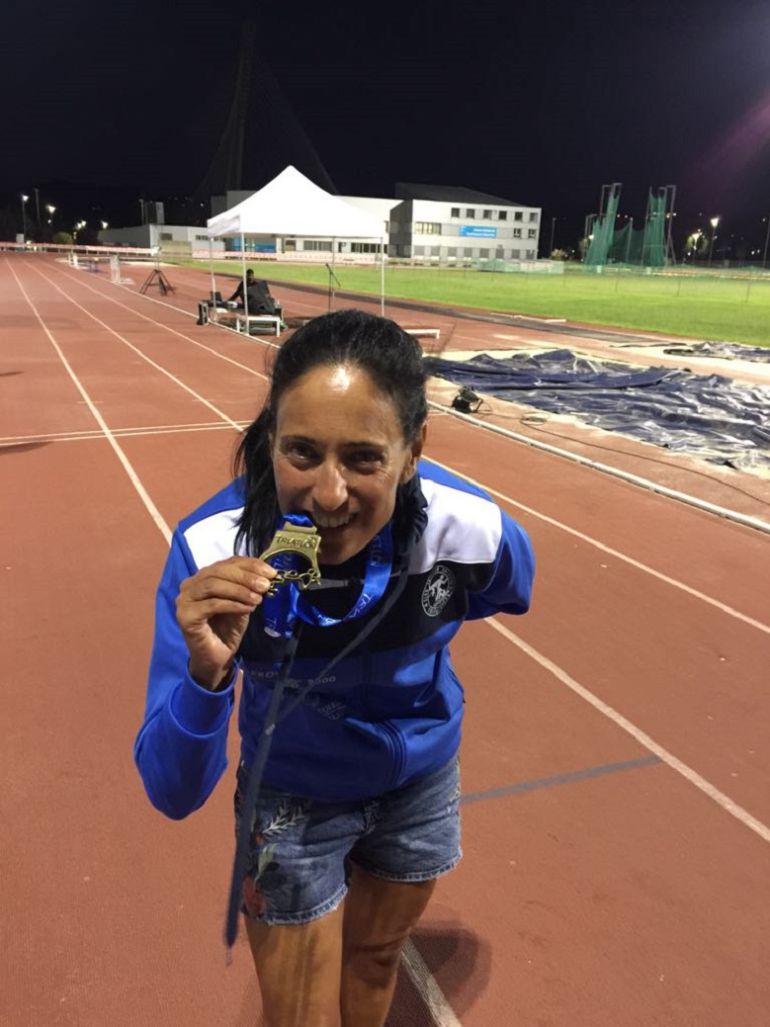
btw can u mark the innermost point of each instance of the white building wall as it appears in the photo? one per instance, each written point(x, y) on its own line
point(469, 231)
point(149, 236)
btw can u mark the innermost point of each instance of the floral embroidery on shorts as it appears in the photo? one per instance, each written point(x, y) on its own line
point(288, 813)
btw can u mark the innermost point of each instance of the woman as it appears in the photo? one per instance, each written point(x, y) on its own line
point(360, 794)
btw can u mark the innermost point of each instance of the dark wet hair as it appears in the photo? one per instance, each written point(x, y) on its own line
point(390, 356)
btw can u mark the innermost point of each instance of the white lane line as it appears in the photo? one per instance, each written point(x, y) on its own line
point(690, 775)
point(177, 381)
point(120, 433)
point(645, 568)
point(88, 433)
point(134, 478)
point(638, 565)
point(441, 1012)
point(167, 328)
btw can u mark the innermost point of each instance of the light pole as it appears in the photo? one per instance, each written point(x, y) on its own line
point(553, 232)
point(767, 239)
point(24, 199)
point(713, 222)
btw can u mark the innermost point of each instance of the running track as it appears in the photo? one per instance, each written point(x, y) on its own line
point(616, 765)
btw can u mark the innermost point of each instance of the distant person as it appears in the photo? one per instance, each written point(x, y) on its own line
point(258, 295)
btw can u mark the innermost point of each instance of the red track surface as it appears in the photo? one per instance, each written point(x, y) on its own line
point(619, 876)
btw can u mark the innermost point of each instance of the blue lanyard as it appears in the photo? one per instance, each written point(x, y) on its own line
point(281, 610)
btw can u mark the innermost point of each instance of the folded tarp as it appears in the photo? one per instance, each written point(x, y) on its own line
point(724, 351)
point(709, 416)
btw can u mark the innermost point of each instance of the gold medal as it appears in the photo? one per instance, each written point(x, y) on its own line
point(302, 541)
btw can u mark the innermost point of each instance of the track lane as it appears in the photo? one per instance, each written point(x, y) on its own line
point(571, 725)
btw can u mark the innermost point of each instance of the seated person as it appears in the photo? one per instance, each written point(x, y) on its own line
point(258, 294)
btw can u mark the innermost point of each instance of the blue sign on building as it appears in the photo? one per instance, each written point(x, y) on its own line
point(478, 231)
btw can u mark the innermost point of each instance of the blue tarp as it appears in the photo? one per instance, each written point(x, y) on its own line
point(709, 416)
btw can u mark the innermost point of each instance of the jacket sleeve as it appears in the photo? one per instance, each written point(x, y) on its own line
point(180, 750)
point(509, 588)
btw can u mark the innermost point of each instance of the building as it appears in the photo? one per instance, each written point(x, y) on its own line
point(455, 224)
point(423, 222)
point(150, 236)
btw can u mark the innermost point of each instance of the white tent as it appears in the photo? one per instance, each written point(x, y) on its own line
point(293, 205)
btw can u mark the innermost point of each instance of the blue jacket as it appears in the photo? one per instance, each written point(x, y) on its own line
point(389, 713)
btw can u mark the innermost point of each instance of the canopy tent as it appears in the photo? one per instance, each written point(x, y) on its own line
point(293, 205)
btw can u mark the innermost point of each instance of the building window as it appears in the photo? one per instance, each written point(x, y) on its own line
point(166, 235)
point(364, 247)
point(488, 215)
point(518, 215)
point(483, 252)
point(502, 215)
point(517, 233)
point(530, 254)
point(435, 251)
point(532, 233)
point(467, 251)
point(515, 254)
point(427, 228)
point(452, 251)
point(533, 215)
point(470, 212)
point(317, 245)
point(455, 212)
point(419, 251)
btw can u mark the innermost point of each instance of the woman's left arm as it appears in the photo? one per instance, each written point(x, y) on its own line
point(509, 586)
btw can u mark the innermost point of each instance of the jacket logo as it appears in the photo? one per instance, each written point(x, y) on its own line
point(438, 590)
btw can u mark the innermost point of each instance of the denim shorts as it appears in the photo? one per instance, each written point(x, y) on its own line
point(301, 849)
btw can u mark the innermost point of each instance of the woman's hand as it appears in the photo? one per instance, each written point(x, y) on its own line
point(213, 609)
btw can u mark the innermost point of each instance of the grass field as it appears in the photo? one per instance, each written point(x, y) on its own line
point(715, 307)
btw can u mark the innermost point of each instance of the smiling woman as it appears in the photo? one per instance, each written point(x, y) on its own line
point(360, 795)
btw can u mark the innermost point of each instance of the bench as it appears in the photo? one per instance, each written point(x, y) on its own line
point(258, 322)
point(433, 332)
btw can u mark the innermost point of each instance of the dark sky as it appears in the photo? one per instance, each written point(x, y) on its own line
point(540, 102)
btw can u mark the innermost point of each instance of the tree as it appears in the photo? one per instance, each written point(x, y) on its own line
point(62, 239)
point(697, 245)
point(10, 224)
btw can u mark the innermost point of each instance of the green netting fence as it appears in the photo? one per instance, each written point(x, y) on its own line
point(643, 247)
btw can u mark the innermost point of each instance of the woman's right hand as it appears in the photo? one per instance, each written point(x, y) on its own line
point(213, 609)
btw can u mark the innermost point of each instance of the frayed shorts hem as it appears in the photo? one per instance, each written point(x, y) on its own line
point(276, 919)
point(416, 877)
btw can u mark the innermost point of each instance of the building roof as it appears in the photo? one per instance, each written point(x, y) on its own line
point(449, 194)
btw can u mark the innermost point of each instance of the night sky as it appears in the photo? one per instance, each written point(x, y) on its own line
point(540, 103)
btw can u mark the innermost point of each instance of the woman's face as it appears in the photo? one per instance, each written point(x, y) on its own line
point(339, 455)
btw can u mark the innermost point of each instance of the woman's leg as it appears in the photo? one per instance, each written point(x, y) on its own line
point(298, 968)
point(379, 916)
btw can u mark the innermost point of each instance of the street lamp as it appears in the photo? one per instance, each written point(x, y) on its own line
point(713, 222)
point(51, 210)
point(24, 199)
point(767, 240)
point(104, 225)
